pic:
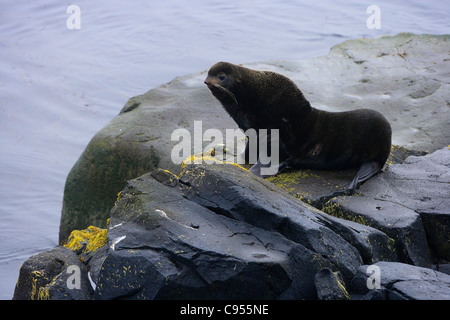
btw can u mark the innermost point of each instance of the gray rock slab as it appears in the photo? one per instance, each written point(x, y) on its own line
point(316, 187)
point(136, 141)
point(164, 246)
point(330, 286)
point(219, 232)
point(231, 192)
point(57, 274)
point(398, 281)
point(409, 202)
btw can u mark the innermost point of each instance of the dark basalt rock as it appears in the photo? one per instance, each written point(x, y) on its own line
point(57, 274)
point(219, 232)
point(398, 281)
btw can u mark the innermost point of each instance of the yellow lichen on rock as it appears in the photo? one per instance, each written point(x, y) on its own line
point(40, 285)
point(37, 293)
point(208, 159)
point(118, 198)
point(337, 210)
point(92, 238)
point(343, 289)
point(289, 181)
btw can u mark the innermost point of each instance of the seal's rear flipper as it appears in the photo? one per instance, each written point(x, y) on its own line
point(367, 171)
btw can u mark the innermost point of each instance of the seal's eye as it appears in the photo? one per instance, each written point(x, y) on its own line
point(221, 76)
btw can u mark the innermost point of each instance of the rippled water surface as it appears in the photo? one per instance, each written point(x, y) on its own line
point(58, 86)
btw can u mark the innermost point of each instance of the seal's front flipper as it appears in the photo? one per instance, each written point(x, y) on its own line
point(365, 172)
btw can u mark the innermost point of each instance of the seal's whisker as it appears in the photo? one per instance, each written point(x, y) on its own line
point(228, 92)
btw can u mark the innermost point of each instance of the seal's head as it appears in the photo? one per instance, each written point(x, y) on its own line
point(224, 74)
point(222, 79)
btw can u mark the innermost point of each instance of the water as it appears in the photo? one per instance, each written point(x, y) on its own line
point(58, 87)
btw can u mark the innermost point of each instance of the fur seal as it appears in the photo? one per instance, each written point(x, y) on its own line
point(309, 138)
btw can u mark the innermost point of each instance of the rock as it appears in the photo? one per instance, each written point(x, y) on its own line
point(316, 187)
point(444, 268)
point(57, 274)
point(397, 76)
point(164, 246)
point(433, 203)
point(401, 224)
point(264, 205)
point(408, 201)
point(136, 141)
point(219, 232)
point(396, 201)
point(398, 281)
point(372, 244)
point(437, 228)
point(330, 286)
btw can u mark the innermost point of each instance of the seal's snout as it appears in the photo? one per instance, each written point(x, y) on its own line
point(210, 81)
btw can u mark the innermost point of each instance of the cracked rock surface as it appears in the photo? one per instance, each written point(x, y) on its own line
point(410, 202)
point(219, 232)
point(180, 249)
point(400, 281)
point(192, 245)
